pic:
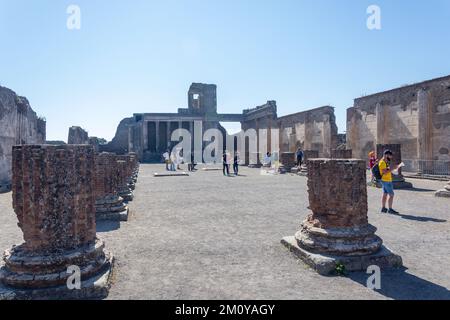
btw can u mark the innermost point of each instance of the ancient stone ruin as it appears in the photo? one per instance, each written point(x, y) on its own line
point(19, 124)
point(287, 162)
point(77, 135)
point(444, 193)
point(338, 232)
point(125, 189)
point(415, 116)
point(398, 179)
point(341, 154)
point(53, 198)
point(108, 204)
point(149, 134)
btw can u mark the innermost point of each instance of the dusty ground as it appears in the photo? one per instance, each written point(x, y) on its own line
point(211, 237)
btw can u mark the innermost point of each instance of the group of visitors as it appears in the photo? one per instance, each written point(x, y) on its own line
point(382, 171)
point(227, 160)
point(173, 159)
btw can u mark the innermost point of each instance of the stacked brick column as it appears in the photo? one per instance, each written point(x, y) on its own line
point(307, 154)
point(338, 230)
point(135, 165)
point(287, 160)
point(53, 197)
point(129, 170)
point(123, 174)
point(398, 180)
point(341, 154)
point(108, 205)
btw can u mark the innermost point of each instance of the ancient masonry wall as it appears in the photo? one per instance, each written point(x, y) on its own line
point(78, 135)
point(314, 129)
point(19, 124)
point(415, 116)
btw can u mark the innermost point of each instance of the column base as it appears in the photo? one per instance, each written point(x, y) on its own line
point(44, 277)
point(111, 208)
point(127, 195)
point(444, 193)
point(295, 170)
point(326, 264)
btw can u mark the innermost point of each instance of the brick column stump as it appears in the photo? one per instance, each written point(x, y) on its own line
point(124, 189)
point(341, 154)
point(108, 204)
point(287, 162)
point(53, 198)
point(338, 232)
point(398, 180)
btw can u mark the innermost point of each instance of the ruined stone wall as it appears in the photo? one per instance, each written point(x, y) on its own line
point(126, 139)
point(314, 129)
point(77, 135)
point(415, 116)
point(19, 124)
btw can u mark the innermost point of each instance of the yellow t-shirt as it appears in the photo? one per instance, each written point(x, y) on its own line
point(387, 177)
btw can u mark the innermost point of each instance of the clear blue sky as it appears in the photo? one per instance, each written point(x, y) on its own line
point(141, 56)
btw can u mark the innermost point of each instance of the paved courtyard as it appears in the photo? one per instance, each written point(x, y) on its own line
point(212, 237)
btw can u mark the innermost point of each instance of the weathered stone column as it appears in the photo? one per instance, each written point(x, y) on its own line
point(169, 135)
point(307, 154)
point(108, 204)
point(341, 154)
point(157, 136)
point(444, 193)
point(398, 180)
point(135, 165)
point(124, 189)
point(287, 162)
point(53, 197)
point(145, 135)
point(337, 231)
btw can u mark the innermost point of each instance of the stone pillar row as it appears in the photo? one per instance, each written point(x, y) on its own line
point(57, 191)
point(114, 183)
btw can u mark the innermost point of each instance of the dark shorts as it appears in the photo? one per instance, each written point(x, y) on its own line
point(388, 187)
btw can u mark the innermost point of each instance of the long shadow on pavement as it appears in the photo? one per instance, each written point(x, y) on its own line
point(420, 219)
point(401, 285)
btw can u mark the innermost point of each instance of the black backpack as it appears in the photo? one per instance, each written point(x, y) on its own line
point(376, 171)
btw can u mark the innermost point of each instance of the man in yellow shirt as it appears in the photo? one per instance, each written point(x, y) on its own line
point(386, 182)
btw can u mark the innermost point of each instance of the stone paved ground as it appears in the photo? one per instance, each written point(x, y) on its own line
point(211, 237)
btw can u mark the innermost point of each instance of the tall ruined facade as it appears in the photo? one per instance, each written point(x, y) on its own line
point(313, 129)
point(415, 116)
point(19, 125)
point(149, 134)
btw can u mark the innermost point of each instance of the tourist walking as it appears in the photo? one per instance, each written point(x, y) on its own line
point(166, 156)
point(386, 169)
point(268, 160)
point(372, 162)
point(226, 164)
point(172, 160)
point(192, 164)
point(299, 156)
point(236, 164)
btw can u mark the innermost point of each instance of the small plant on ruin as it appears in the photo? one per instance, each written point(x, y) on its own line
point(340, 269)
